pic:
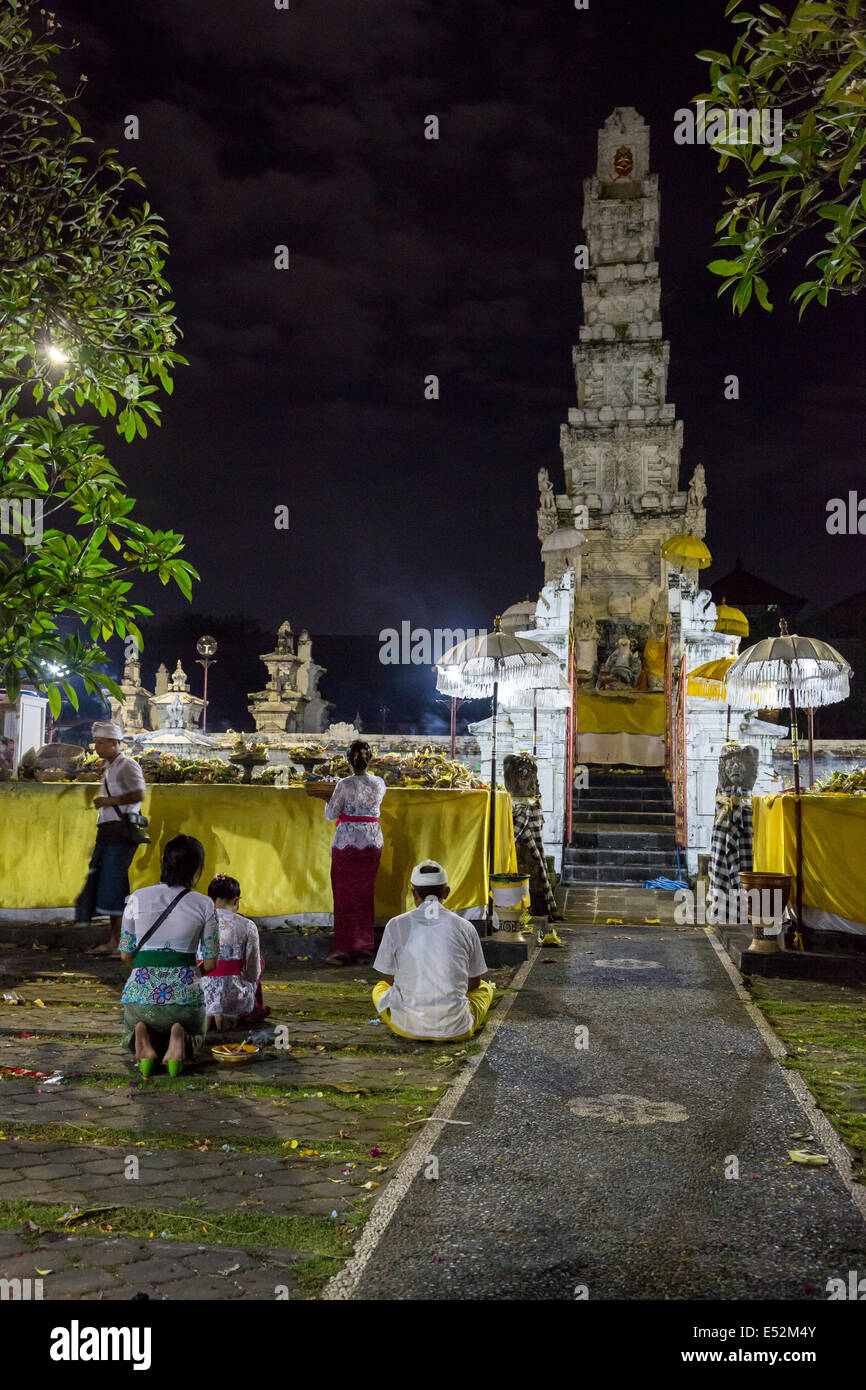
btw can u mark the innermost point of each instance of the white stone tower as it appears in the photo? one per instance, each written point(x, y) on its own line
point(621, 445)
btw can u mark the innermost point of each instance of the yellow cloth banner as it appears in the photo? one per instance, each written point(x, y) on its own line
point(834, 848)
point(621, 713)
point(275, 841)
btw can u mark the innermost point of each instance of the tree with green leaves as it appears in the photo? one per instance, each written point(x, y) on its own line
point(87, 326)
point(810, 64)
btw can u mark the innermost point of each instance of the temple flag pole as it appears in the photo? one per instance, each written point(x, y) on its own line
point(798, 809)
point(491, 853)
point(811, 747)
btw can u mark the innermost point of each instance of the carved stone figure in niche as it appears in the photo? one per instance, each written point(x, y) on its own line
point(697, 487)
point(585, 626)
point(655, 648)
point(545, 488)
point(620, 386)
point(622, 482)
point(593, 387)
point(547, 510)
point(648, 383)
point(284, 638)
point(621, 668)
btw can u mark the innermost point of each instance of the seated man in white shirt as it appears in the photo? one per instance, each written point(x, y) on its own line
point(432, 963)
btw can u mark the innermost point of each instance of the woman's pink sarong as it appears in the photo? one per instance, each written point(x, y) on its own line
point(353, 881)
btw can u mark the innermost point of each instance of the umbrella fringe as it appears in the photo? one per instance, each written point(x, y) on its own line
point(823, 684)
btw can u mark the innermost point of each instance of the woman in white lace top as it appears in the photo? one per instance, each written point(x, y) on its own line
point(355, 855)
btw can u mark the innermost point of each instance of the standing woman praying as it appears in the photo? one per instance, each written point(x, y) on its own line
point(355, 855)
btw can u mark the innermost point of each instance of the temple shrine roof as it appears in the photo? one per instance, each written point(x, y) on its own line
point(746, 590)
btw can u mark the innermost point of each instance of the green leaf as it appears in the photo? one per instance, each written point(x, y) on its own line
point(55, 700)
point(761, 294)
point(725, 267)
point(842, 77)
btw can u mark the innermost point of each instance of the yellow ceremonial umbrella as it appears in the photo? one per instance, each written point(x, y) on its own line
point(731, 621)
point(709, 682)
point(687, 551)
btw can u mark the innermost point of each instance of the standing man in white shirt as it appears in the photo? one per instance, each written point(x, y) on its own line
point(432, 962)
point(107, 885)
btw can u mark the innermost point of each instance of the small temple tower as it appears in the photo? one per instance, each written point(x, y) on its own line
point(174, 706)
point(290, 702)
point(133, 711)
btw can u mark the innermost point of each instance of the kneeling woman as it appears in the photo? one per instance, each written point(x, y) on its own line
point(163, 1003)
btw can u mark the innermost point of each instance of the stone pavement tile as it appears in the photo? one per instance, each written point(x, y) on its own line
point(112, 1255)
point(163, 1267)
point(78, 1282)
point(59, 1020)
point(196, 1287)
point(273, 1067)
point(48, 1172)
point(212, 1260)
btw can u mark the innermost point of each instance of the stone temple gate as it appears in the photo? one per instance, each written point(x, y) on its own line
point(624, 624)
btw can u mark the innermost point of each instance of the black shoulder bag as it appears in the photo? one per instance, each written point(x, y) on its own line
point(136, 826)
point(160, 919)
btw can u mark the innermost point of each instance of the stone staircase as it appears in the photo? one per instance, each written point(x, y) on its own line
point(622, 829)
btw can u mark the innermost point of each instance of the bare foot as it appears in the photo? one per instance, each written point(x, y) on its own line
point(338, 960)
point(106, 948)
point(175, 1046)
point(143, 1045)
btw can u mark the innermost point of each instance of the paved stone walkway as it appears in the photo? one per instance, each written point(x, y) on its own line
point(107, 1180)
point(79, 1267)
point(603, 1170)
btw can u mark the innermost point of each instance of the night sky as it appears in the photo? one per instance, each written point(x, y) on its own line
point(260, 126)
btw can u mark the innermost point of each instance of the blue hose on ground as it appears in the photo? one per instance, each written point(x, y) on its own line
point(668, 884)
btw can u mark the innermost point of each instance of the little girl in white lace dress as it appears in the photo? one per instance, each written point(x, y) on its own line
point(230, 990)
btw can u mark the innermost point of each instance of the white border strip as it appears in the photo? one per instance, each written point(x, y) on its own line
point(818, 1122)
point(344, 1283)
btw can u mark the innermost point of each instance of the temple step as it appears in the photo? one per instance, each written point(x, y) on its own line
point(597, 802)
point(573, 874)
point(649, 861)
point(622, 837)
point(616, 817)
point(622, 829)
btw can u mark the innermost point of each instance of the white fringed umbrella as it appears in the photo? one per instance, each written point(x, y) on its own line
point(788, 670)
point(478, 667)
point(797, 672)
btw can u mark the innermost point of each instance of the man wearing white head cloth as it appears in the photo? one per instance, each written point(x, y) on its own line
point(433, 963)
point(107, 885)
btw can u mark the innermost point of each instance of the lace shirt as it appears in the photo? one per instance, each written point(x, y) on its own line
point(358, 795)
point(233, 995)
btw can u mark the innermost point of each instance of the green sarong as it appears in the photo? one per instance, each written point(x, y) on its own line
point(159, 1019)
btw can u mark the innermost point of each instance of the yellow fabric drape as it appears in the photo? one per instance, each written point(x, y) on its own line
point(654, 654)
point(620, 713)
point(274, 840)
point(834, 848)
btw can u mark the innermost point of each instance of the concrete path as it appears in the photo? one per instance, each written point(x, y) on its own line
point(600, 1171)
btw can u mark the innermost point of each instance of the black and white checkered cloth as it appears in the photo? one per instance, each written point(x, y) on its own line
point(731, 845)
point(528, 825)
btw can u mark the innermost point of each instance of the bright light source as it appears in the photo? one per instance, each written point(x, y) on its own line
point(57, 354)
